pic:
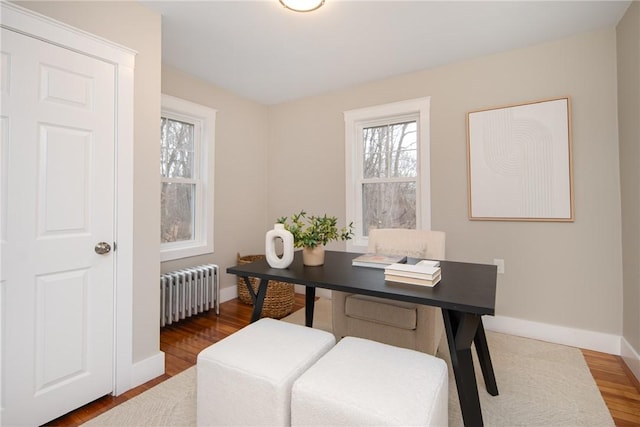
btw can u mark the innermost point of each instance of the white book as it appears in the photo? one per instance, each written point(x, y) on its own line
point(429, 262)
point(377, 260)
point(414, 270)
point(412, 280)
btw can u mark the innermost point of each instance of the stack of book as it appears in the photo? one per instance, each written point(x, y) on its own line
point(424, 273)
point(377, 260)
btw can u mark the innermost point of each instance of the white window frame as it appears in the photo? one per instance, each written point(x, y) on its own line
point(204, 119)
point(355, 121)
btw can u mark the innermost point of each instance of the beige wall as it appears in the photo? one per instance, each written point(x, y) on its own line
point(240, 219)
point(565, 274)
point(559, 273)
point(138, 28)
point(628, 42)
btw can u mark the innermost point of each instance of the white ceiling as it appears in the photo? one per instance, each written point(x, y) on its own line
point(259, 50)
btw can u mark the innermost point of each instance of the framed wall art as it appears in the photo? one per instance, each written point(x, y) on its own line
point(519, 162)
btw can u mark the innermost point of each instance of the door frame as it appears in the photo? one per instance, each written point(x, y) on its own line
point(41, 27)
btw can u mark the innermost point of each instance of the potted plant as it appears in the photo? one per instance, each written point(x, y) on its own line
point(312, 233)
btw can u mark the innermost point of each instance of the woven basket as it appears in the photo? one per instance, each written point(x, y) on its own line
point(280, 296)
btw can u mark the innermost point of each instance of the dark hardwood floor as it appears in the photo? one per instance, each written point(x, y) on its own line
point(183, 341)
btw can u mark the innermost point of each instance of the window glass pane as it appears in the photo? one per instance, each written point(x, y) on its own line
point(176, 149)
point(388, 205)
point(177, 212)
point(390, 151)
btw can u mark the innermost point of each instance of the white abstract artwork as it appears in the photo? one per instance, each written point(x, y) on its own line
point(519, 162)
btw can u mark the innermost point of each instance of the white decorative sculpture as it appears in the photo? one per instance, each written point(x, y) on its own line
point(273, 259)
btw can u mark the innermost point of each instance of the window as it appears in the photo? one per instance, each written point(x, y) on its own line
point(186, 178)
point(387, 168)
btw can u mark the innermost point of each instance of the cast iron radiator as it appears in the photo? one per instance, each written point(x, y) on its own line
point(187, 292)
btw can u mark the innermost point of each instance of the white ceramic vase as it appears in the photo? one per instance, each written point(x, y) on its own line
point(273, 259)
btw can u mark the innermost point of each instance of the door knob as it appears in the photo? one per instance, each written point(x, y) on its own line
point(102, 248)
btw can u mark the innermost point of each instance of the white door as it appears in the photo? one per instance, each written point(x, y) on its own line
point(57, 180)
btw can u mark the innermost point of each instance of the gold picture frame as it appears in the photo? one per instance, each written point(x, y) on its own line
point(520, 162)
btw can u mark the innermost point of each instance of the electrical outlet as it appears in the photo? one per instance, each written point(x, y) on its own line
point(500, 264)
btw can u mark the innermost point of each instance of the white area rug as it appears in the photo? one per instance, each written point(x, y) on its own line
point(540, 384)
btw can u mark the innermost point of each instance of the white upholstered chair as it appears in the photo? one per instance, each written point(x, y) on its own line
point(398, 323)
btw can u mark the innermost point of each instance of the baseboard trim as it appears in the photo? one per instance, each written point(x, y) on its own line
point(147, 369)
point(631, 358)
point(597, 341)
point(228, 293)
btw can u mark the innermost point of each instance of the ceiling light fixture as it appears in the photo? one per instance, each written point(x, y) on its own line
point(302, 5)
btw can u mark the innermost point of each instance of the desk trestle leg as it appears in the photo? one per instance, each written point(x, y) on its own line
point(462, 330)
point(257, 297)
point(482, 349)
point(309, 305)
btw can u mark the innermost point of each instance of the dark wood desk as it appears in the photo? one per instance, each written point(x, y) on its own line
point(465, 293)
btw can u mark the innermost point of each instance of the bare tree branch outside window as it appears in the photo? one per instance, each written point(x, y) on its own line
point(390, 172)
point(177, 170)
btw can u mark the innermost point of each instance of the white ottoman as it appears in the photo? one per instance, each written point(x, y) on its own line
point(246, 378)
point(362, 382)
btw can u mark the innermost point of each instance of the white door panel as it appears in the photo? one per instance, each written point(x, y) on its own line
point(58, 202)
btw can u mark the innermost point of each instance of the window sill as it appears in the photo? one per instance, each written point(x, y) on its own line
point(184, 251)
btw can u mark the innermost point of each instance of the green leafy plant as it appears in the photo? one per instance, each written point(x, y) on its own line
point(311, 231)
